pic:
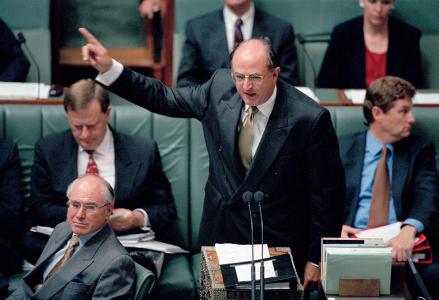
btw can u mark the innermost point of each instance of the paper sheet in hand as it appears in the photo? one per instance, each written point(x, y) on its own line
point(234, 253)
point(386, 232)
point(42, 229)
point(154, 245)
point(144, 236)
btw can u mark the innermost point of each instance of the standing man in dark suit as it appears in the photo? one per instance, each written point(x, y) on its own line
point(211, 38)
point(83, 259)
point(412, 197)
point(131, 164)
point(291, 155)
point(11, 205)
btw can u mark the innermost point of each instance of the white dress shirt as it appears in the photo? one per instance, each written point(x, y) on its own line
point(260, 119)
point(246, 27)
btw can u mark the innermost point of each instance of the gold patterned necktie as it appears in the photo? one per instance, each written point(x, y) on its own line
point(246, 137)
point(74, 241)
point(379, 207)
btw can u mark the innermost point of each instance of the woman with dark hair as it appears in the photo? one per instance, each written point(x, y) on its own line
point(371, 46)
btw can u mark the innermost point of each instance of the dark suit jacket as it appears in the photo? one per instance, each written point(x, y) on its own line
point(206, 50)
point(140, 181)
point(11, 205)
point(101, 269)
point(414, 181)
point(344, 65)
point(296, 164)
point(13, 63)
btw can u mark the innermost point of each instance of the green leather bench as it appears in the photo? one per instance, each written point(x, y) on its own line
point(185, 162)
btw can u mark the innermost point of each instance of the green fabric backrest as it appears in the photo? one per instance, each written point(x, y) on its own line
point(348, 120)
point(199, 171)
point(32, 19)
point(26, 124)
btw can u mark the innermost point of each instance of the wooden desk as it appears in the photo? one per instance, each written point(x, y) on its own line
point(212, 285)
point(45, 101)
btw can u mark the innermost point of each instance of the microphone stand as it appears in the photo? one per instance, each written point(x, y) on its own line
point(22, 40)
point(259, 197)
point(247, 197)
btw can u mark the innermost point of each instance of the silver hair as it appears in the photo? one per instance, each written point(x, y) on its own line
point(107, 189)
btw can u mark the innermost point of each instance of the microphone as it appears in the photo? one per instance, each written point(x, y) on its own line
point(247, 197)
point(259, 197)
point(22, 40)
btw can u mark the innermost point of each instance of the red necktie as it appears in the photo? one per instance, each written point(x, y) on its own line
point(238, 33)
point(379, 207)
point(92, 167)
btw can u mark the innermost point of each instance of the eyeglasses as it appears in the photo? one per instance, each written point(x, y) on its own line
point(383, 2)
point(89, 208)
point(238, 77)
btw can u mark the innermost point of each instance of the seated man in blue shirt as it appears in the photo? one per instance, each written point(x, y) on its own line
point(411, 192)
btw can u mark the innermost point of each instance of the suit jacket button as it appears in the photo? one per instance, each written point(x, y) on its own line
point(220, 149)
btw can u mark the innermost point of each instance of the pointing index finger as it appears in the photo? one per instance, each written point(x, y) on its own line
point(88, 36)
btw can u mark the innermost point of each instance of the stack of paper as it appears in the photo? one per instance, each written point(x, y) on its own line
point(23, 90)
point(357, 263)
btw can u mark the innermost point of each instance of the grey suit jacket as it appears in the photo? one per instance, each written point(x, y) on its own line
point(414, 178)
point(101, 269)
point(205, 49)
point(140, 180)
point(296, 164)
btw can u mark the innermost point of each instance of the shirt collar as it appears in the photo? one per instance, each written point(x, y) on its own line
point(105, 145)
point(230, 18)
point(83, 239)
point(267, 107)
point(374, 146)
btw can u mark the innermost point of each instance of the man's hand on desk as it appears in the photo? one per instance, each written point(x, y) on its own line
point(311, 276)
point(348, 231)
point(403, 243)
point(124, 219)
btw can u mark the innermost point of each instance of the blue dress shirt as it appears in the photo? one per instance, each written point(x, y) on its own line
point(371, 157)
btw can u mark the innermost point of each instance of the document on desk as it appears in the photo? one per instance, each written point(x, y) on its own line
point(235, 254)
point(23, 90)
point(426, 97)
point(357, 96)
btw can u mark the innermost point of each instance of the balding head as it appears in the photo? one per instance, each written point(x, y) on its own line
point(255, 71)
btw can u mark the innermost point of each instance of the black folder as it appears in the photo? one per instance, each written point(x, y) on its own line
point(283, 268)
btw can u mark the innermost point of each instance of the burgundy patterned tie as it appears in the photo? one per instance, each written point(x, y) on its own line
point(238, 33)
point(379, 207)
point(92, 167)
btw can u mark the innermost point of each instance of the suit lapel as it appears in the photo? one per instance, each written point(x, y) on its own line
point(353, 168)
point(124, 167)
point(218, 41)
point(399, 176)
point(68, 160)
point(272, 141)
point(229, 120)
point(81, 260)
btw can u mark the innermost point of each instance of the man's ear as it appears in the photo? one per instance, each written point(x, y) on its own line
point(377, 112)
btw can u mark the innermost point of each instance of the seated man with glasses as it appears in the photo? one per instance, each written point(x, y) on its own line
point(131, 164)
point(83, 259)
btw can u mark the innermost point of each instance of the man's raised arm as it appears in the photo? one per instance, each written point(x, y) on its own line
point(94, 53)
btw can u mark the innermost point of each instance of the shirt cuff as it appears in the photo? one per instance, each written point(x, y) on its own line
point(146, 223)
point(415, 223)
point(107, 78)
